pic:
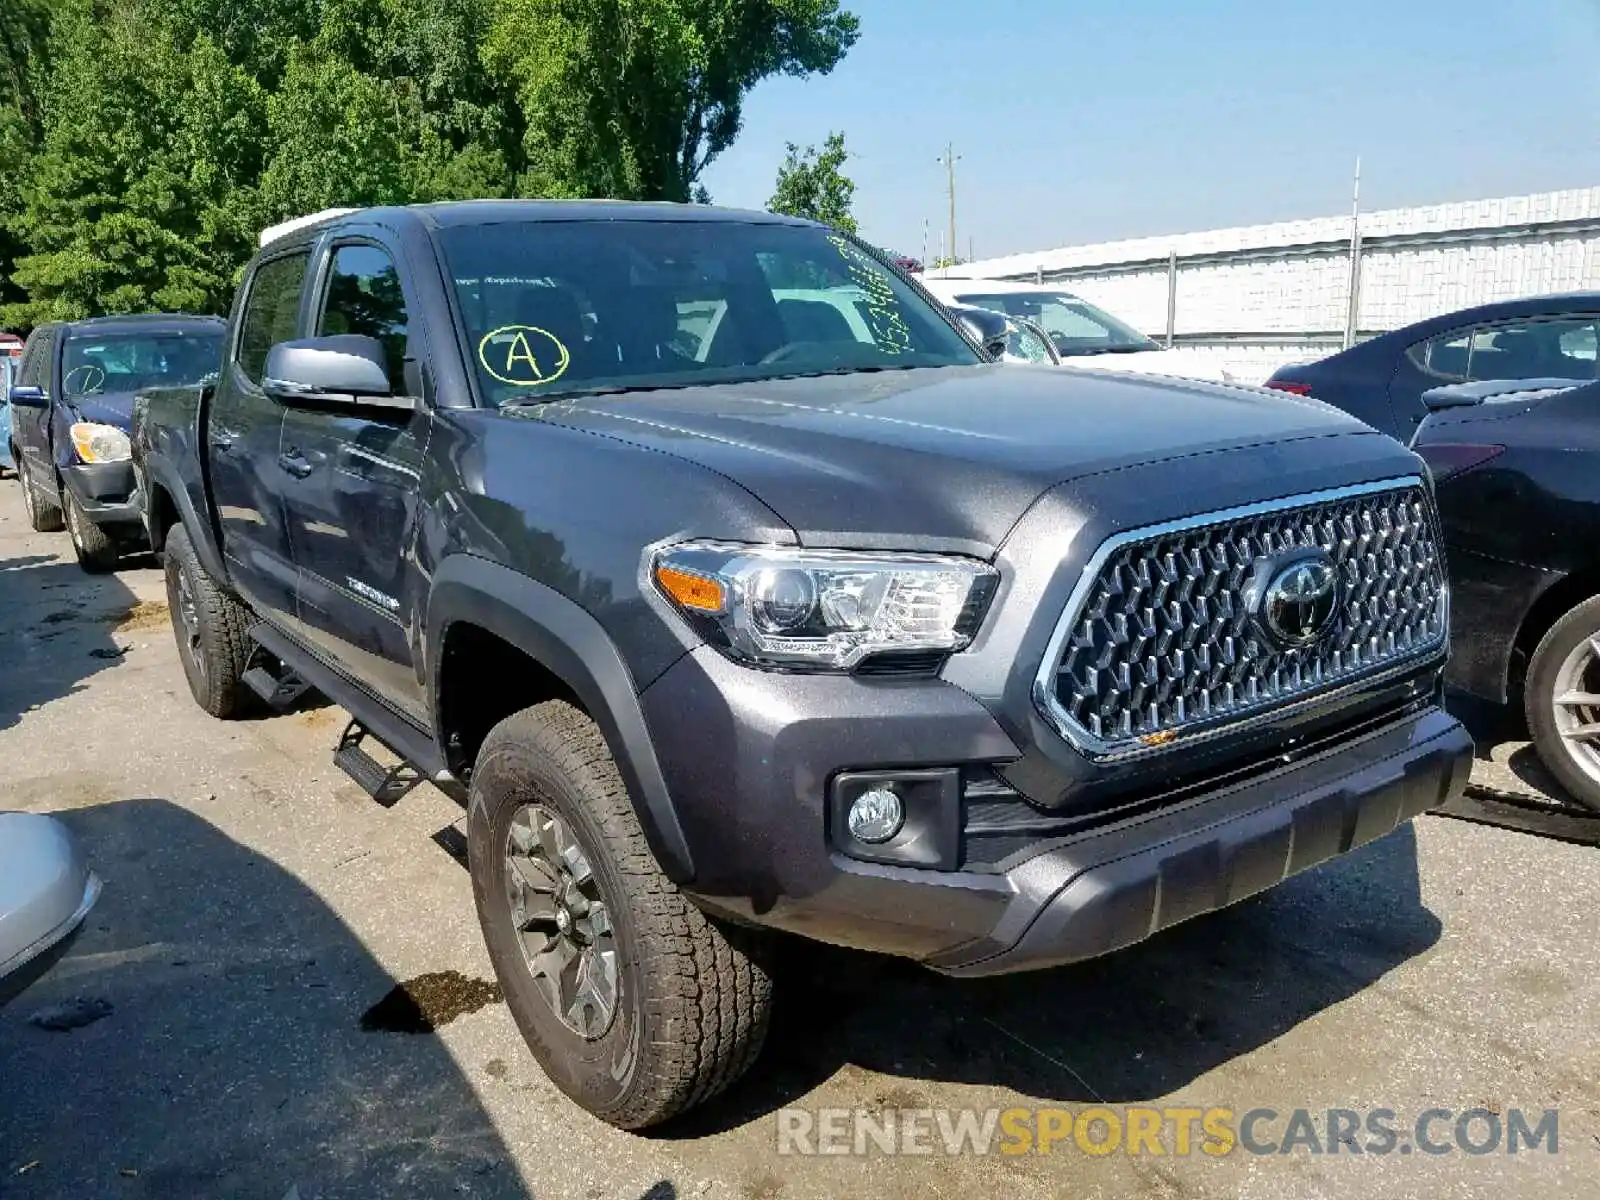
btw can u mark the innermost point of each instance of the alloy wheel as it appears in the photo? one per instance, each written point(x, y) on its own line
point(1576, 705)
point(189, 619)
point(561, 920)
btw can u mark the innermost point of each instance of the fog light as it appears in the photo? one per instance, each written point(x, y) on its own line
point(875, 816)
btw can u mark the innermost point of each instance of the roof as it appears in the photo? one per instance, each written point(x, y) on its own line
point(488, 212)
point(450, 214)
point(273, 232)
point(1523, 306)
point(136, 321)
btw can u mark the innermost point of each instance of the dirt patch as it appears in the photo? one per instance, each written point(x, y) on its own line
point(146, 614)
point(423, 1004)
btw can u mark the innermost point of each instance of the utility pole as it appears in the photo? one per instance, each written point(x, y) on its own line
point(949, 163)
point(1353, 312)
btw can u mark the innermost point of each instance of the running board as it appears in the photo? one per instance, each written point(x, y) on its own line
point(411, 744)
point(278, 691)
point(387, 785)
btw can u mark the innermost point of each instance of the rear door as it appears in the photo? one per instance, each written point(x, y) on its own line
point(350, 484)
point(242, 432)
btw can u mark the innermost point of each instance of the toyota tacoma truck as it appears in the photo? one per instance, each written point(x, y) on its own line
point(783, 622)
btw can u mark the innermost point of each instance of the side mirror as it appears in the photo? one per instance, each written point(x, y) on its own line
point(26, 395)
point(985, 327)
point(346, 370)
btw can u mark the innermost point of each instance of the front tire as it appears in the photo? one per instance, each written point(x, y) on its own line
point(1562, 699)
point(96, 552)
point(44, 516)
point(211, 628)
point(664, 1009)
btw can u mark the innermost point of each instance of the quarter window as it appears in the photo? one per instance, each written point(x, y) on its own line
point(1444, 357)
point(271, 312)
point(364, 297)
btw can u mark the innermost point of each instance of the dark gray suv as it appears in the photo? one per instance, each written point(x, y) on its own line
point(733, 589)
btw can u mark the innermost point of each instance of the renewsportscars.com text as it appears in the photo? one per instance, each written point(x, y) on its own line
point(1155, 1132)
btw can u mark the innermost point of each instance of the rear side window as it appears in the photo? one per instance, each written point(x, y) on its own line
point(1562, 349)
point(270, 311)
point(364, 297)
point(1444, 357)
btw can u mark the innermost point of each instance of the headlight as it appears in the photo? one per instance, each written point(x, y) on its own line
point(97, 443)
point(823, 609)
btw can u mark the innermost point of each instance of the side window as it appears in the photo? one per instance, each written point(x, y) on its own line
point(35, 368)
point(270, 311)
point(1444, 357)
point(1562, 349)
point(364, 297)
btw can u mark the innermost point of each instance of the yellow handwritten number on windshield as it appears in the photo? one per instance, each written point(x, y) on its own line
point(524, 355)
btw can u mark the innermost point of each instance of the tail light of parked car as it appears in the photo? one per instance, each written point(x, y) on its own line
point(1446, 459)
point(1291, 386)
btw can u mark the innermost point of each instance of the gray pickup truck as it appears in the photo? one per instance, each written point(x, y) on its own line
point(727, 611)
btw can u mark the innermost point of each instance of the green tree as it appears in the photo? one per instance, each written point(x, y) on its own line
point(634, 98)
point(143, 143)
point(25, 47)
point(813, 185)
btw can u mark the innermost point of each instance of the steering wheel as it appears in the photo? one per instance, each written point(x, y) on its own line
point(93, 380)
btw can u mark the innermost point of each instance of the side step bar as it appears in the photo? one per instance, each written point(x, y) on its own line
point(413, 746)
point(278, 691)
point(386, 785)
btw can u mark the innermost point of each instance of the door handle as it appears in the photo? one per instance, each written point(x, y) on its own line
point(223, 439)
point(295, 463)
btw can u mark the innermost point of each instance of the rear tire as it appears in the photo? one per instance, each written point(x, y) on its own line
point(688, 1004)
point(44, 516)
point(97, 553)
point(211, 630)
point(1562, 675)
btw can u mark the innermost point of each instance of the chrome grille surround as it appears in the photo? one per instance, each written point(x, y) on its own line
point(1155, 647)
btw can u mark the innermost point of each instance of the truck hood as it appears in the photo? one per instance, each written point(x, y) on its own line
point(1185, 364)
point(938, 457)
point(107, 408)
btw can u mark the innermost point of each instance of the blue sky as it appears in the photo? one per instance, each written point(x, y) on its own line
point(1086, 122)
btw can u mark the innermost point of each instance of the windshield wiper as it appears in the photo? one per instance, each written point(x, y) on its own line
point(617, 389)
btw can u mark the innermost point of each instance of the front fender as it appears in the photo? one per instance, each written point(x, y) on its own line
point(568, 642)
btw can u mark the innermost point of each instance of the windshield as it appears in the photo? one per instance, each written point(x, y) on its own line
point(126, 362)
point(554, 308)
point(1074, 325)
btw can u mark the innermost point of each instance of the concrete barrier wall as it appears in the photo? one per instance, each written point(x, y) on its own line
point(1261, 295)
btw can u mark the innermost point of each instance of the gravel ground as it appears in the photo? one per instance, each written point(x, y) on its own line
point(257, 907)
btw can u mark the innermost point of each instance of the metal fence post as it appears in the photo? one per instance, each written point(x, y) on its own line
point(1353, 313)
point(1172, 297)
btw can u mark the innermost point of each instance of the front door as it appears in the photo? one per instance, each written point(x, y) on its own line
point(350, 488)
point(242, 434)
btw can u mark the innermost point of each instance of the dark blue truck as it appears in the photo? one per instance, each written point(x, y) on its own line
point(71, 403)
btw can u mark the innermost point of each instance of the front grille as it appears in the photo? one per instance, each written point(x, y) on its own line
point(1159, 642)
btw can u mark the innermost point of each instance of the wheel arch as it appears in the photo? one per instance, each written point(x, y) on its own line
point(564, 640)
point(1552, 604)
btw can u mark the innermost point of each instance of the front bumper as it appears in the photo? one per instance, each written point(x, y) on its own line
point(749, 758)
point(105, 492)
